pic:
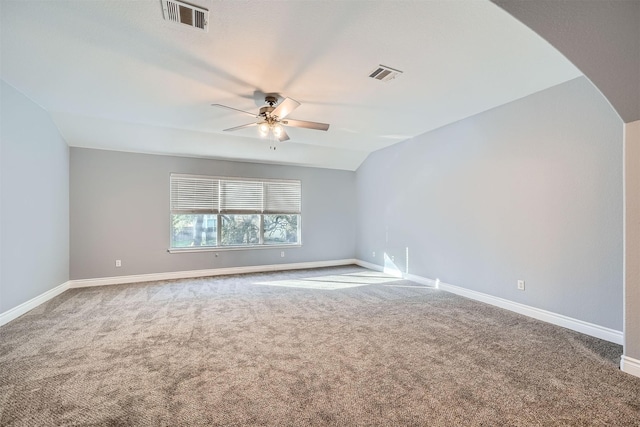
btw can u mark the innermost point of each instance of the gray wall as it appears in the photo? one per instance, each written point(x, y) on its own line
point(120, 210)
point(600, 37)
point(531, 190)
point(34, 219)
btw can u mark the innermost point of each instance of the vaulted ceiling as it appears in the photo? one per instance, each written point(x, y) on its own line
point(116, 75)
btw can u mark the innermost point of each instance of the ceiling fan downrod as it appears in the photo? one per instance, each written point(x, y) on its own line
point(271, 100)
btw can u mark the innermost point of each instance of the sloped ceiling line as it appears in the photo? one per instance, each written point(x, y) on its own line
point(132, 81)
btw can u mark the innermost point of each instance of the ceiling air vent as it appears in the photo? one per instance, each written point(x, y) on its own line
point(384, 73)
point(184, 13)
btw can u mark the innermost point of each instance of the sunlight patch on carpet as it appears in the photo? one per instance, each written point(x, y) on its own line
point(336, 281)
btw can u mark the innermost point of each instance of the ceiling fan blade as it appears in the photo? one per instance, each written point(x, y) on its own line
point(283, 136)
point(285, 108)
point(240, 127)
point(234, 109)
point(306, 124)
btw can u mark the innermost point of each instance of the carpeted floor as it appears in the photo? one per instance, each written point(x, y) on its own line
point(338, 347)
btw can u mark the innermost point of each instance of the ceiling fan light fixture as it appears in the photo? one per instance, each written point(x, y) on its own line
point(263, 128)
point(277, 130)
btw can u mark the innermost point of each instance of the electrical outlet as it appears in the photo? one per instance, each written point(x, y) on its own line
point(282, 254)
point(521, 285)
point(118, 263)
point(373, 254)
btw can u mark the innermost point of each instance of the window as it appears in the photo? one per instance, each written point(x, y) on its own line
point(193, 230)
point(280, 229)
point(213, 212)
point(240, 230)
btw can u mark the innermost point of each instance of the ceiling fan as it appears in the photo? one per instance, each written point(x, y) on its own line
point(272, 119)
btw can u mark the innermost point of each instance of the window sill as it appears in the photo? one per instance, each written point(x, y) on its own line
point(229, 248)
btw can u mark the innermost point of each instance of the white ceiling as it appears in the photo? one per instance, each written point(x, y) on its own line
point(115, 75)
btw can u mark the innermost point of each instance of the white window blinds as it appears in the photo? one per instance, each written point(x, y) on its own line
point(194, 195)
point(201, 194)
point(240, 196)
point(282, 197)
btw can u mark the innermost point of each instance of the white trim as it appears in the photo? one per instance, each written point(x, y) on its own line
point(624, 236)
point(119, 280)
point(421, 280)
point(630, 365)
point(537, 313)
point(190, 249)
point(627, 364)
point(396, 273)
point(234, 178)
point(547, 316)
point(21, 309)
point(368, 265)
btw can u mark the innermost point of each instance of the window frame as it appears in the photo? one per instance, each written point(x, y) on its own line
point(220, 212)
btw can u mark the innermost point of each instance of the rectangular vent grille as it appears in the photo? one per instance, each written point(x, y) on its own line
point(384, 73)
point(184, 13)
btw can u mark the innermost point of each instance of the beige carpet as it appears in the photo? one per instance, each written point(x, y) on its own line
point(337, 347)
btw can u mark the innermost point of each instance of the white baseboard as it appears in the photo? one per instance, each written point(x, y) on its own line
point(21, 309)
point(120, 280)
point(369, 265)
point(630, 365)
point(587, 328)
point(396, 273)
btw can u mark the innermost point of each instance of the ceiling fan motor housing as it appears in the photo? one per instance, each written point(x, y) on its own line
point(266, 111)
